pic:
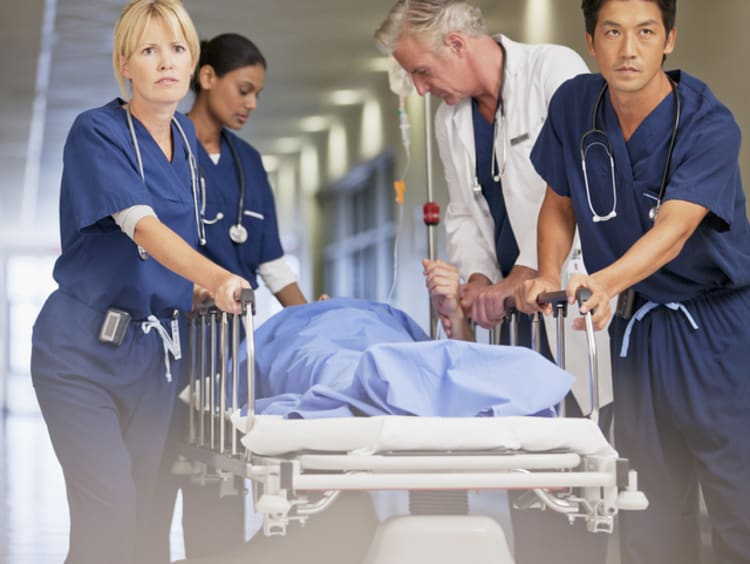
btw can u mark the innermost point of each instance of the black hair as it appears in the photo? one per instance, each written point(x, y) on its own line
point(225, 53)
point(591, 13)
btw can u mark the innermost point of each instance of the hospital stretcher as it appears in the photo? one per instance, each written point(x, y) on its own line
point(298, 468)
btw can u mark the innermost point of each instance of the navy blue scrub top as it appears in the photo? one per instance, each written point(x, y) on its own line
point(506, 248)
point(222, 195)
point(99, 265)
point(704, 171)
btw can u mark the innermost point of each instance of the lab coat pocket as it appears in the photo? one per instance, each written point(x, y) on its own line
point(457, 210)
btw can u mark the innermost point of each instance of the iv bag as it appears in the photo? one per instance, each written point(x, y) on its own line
point(399, 80)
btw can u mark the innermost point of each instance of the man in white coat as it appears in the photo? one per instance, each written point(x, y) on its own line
point(495, 95)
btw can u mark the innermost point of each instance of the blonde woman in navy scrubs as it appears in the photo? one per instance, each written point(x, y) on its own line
point(106, 343)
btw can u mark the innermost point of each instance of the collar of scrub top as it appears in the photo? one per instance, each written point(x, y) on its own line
point(500, 107)
point(193, 176)
point(607, 146)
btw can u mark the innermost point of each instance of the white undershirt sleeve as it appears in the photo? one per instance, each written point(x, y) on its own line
point(276, 274)
point(129, 217)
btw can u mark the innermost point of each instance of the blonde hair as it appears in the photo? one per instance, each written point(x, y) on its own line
point(430, 21)
point(133, 22)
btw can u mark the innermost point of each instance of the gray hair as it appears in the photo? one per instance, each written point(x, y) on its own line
point(431, 20)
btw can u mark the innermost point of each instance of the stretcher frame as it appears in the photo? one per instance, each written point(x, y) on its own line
point(292, 486)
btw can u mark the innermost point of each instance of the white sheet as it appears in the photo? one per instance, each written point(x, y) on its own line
point(272, 436)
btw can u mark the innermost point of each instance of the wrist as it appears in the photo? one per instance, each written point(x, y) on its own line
point(610, 285)
point(478, 278)
point(552, 278)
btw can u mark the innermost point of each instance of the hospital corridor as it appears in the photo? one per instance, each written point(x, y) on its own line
point(303, 336)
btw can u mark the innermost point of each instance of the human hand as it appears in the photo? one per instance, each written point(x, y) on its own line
point(598, 304)
point(229, 292)
point(469, 291)
point(200, 295)
point(488, 308)
point(443, 283)
point(527, 294)
point(324, 298)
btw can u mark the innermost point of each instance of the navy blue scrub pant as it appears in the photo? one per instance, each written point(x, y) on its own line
point(108, 433)
point(682, 417)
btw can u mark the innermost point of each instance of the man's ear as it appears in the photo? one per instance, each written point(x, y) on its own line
point(671, 38)
point(590, 44)
point(456, 42)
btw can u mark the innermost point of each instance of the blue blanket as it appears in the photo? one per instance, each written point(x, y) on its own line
point(345, 357)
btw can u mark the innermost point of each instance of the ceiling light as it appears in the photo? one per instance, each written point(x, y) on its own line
point(379, 64)
point(346, 97)
point(314, 124)
point(287, 145)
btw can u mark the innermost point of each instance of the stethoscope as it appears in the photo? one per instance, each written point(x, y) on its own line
point(654, 211)
point(496, 168)
point(194, 176)
point(237, 232)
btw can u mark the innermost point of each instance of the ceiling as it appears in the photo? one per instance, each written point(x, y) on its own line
point(58, 55)
point(56, 59)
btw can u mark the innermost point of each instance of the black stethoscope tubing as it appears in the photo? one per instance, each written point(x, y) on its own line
point(237, 232)
point(495, 168)
point(654, 211)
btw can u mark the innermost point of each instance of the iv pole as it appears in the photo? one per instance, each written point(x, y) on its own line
point(431, 210)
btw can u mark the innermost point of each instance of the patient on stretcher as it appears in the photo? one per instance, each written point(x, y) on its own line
point(347, 357)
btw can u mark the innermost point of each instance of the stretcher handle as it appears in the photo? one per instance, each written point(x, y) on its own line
point(247, 296)
point(559, 298)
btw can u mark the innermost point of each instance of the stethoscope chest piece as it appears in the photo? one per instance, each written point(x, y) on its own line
point(607, 146)
point(238, 233)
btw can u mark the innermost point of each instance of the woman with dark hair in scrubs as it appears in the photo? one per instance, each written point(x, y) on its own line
point(106, 343)
point(227, 85)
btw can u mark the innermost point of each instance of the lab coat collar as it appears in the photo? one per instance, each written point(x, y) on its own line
point(513, 64)
point(462, 115)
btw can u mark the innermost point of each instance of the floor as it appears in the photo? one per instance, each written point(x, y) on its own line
point(34, 518)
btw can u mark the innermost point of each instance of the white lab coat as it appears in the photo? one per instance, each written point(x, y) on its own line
point(531, 76)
